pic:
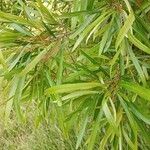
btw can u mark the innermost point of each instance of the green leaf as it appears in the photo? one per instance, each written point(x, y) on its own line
point(129, 142)
point(17, 98)
point(35, 61)
point(20, 29)
point(9, 18)
point(136, 64)
point(97, 22)
point(2, 60)
point(135, 88)
point(96, 126)
point(139, 114)
point(82, 27)
point(82, 131)
point(109, 117)
point(9, 104)
point(79, 94)
point(65, 88)
point(46, 14)
point(60, 68)
point(124, 30)
point(138, 43)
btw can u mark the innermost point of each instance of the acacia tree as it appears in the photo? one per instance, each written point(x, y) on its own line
point(82, 65)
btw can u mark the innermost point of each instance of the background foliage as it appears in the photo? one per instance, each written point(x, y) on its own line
point(81, 66)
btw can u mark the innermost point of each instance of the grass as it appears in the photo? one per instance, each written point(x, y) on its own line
point(26, 137)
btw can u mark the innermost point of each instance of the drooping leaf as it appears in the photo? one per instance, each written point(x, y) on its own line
point(135, 88)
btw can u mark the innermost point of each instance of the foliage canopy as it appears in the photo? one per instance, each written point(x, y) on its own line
point(82, 65)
